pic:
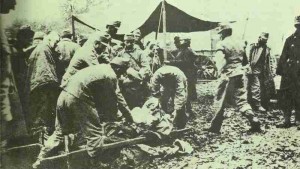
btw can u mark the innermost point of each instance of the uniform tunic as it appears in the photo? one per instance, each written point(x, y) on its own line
point(261, 83)
point(232, 85)
point(289, 69)
point(66, 49)
point(135, 93)
point(43, 87)
point(91, 98)
point(170, 83)
point(83, 57)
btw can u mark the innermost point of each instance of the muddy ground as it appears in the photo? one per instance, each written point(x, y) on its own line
point(235, 147)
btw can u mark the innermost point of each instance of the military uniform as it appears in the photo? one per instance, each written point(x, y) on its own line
point(184, 59)
point(232, 84)
point(261, 83)
point(289, 69)
point(42, 87)
point(170, 85)
point(66, 49)
point(90, 99)
point(134, 93)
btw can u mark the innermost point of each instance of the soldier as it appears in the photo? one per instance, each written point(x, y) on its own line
point(116, 40)
point(155, 56)
point(90, 99)
point(43, 85)
point(66, 49)
point(137, 39)
point(170, 83)
point(20, 59)
point(229, 58)
point(184, 58)
point(135, 93)
point(289, 68)
point(261, 83)
point(92, 53)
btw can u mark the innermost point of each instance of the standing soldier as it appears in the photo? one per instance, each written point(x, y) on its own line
point(184, 58)
point(261, 83)
point(289, 70)
point(43, 85)
point(66, 49)
point(170, 85)
point(92, 53)
point(229, 58)
point(134, 93)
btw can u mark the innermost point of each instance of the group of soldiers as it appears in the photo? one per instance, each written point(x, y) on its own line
point(72, 89)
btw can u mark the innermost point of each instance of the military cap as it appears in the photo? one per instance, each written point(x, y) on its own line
point(297, 20)
point(264, 35)
point(101, 37)
point(176, 38)
point(223, 28)
point(66, 33)
point(115, 24)
point(121, 62)
point(25, 27)
point(39, 35)
point(137, 32)
point(129, 37)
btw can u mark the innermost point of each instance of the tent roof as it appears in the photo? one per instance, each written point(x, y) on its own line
point(176, 21)
point(144, 14)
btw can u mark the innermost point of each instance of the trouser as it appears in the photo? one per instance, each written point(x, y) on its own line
point(289, 99)
point(42, 108)
point(231, 89)
point(167, 104)
point(255, 90)
point(74, 115)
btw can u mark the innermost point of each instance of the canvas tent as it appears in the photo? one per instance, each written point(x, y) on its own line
point(148, 19)
point(176, 21)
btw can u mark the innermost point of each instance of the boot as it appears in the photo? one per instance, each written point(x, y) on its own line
point(287, 120)
point(254, 122)
point(285, 124)
point(255, 125)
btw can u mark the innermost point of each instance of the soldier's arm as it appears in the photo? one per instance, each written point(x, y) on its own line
point(122, 104)
point(155, 85)
point(145, 70)
point(283, 59)
point(219, 58)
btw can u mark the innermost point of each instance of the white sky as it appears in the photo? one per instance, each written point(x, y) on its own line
point(273, 16)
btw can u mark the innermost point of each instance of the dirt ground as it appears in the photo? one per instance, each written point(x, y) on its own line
point(235, 147)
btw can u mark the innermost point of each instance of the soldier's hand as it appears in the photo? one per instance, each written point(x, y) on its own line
point(173, 115)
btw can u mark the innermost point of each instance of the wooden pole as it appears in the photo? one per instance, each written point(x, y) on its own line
point(159, 22)
point(164, 29)
point(124, 143)
point(73, 28)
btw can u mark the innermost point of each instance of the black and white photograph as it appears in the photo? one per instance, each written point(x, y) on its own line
point(150, 84)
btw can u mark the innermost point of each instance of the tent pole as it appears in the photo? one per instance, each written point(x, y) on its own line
point(156, 34)
point(73, 28)
point(164, 29)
